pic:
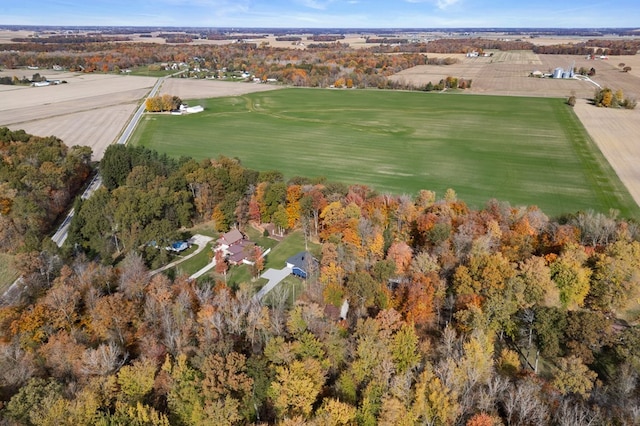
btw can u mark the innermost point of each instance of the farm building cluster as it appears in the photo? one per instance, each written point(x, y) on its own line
point(557, 73)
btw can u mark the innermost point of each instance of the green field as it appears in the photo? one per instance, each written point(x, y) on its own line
point(528, 151)
point(144, 71)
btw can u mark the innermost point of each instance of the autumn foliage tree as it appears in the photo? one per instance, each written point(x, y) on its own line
point(448, 309)
point(38, 179)
point(162, 103)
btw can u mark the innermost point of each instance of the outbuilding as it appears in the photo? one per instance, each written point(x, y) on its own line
point(302, 264)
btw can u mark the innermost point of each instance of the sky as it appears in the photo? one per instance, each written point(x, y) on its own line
point(325, 13)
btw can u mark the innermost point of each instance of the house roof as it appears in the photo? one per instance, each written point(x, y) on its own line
point(240, 252)
point(240, 247)
point(302, 260)
point(231, 237)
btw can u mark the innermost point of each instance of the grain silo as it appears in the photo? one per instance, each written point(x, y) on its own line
point(557, 73)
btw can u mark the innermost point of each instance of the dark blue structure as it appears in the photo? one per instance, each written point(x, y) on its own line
point(298, 272)
point(179, 246)
point(302, 263)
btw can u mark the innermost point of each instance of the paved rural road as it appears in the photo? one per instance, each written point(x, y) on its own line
point(63, 230)
point(61, 234)
point(138, 115)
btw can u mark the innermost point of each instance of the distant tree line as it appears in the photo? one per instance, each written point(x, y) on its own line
point(289, 38)
point(563, 49)
point(70, 39)
point(325, 37)
point(176, 38)
point(464, 45)
point(616, 47)
point(592, 47)
point(220, 36)
point(373, 40)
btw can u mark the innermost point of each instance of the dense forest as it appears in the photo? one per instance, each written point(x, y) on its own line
point(39, 176)
point(495, 316)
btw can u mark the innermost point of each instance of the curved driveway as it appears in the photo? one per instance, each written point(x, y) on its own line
point(274, 276)
point(200, 240)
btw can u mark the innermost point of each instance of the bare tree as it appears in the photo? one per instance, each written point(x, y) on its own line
point(104, 360)
point(575, 413)
point(134, 276)
point(278, 298)
point(596, 228)
point(522, 404)
point(490, 394)
point(16, 365)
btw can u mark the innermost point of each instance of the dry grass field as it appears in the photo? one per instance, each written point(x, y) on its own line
point(6, 35)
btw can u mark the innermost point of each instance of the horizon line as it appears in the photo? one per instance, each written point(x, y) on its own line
point(233, 27)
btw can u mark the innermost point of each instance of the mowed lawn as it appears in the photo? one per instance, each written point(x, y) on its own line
point(8, 274)
point(528, 151)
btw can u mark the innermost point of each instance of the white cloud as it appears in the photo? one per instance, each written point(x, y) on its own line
point(442, 4)
point(315, 4)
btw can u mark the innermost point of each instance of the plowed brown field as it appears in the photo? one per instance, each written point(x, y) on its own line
point(89, 110)
point(202, 89)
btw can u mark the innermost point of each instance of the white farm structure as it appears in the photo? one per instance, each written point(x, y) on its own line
point(184, 109)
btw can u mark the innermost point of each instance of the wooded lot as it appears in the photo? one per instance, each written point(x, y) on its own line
point(457, 316)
